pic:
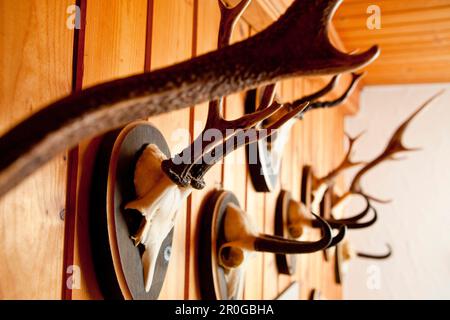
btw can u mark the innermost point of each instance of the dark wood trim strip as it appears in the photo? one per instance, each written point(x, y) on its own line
point(191, 130)
point(72, 157)
point(149, 36)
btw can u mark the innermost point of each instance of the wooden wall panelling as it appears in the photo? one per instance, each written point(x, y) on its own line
point(171, 42)
point(123, 38)
point(311, 137)
point(207, 29)
point(286, 170)
point(253, 287)
point(114, 47)
point(271, 276)
point(234, 175)
point(36, 64)
point(255, 207)
point(298, 140)
point(316, 138)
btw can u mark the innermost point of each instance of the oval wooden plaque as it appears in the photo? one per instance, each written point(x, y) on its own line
point(117, 261)
point(213, 283)
point(263, 171)
point(286, 264)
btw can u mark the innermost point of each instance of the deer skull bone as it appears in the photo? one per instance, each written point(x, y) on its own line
point(158, 200)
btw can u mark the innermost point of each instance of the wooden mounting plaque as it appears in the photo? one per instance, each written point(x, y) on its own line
point(117, 261)
point(263, 172)
point(286, 264)
point(213, 283)
point(306, 187)
point(338, 265)
point(325, 212)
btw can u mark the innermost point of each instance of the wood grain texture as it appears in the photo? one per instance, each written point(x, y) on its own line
point(121, 26)
point(123, 38)
point(206, 31)
point(414, 39)
point(36, 63)
point(410, 31)
point(172, 41)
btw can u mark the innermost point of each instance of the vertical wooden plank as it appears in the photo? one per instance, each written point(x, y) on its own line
point(298, 137)
point(114, 47)
point(253, 286)
point(316, 137)
point(36, 64)
point(270, 278)
point(172, 41)
point(235, 164)
point(236, 179)
point(207, 28)
point(286, 170)
point(255, 206)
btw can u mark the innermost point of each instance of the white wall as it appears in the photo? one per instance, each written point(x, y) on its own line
point(417, 222)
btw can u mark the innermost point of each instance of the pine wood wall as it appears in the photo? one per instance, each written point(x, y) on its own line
point(43, 222)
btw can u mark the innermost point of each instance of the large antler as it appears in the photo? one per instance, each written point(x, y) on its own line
point(297, 44)
point(345, 164)
point(189, 166)
point(394, 146)
point(320, 185)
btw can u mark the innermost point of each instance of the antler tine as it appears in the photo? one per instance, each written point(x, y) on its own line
point(358, 216)
point(356, 77)
point(342, 231)
point(376, 256)
point(321, 92)
point(228, 19)
point(244, 65)
point(239, 139)
point(353, 222)
point(394, 146)
point(177, 170)
point(230, 16)
point(314, 35)
point(345, 164)
point(356, 224)
point(266, 243)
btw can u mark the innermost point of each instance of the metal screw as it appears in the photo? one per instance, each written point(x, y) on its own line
point(167, 253)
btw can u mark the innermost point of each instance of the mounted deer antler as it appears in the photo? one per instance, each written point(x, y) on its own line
point(312, 98)
point(298, 219)
point(356, 78)
point(394, 146)
point(228, 238)
point(269, 152)
point(314, 104)
point(345, 253)
point(161, 192)
point(320, 185)
point(240, 235)
point(297, 44)
point(382, 256)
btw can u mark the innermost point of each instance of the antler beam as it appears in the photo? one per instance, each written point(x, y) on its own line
point(297, 44)
point(394, 146)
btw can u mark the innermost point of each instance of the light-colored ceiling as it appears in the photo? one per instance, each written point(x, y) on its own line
point(414, 37)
